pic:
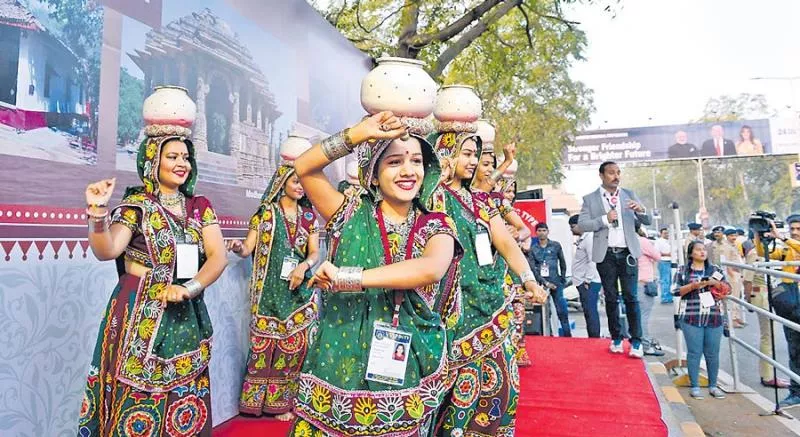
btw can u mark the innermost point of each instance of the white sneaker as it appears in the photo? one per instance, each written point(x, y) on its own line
point(636, 351)
point(616, 347)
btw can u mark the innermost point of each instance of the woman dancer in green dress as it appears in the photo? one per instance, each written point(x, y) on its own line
point(353, 382)
point(489, 178)
point(484, 398)
point(284, 241)
point(149, 372)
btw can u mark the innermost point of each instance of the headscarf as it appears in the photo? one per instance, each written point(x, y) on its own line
point(448, 147)
point(370, 153)
point(148, 162)
point(276, 184)
point(485, 149)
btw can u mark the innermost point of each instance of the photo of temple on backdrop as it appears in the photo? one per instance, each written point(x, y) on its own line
point(49, 80)
point(245, 97)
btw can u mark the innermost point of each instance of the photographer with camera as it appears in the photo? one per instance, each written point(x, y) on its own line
point(785, 299)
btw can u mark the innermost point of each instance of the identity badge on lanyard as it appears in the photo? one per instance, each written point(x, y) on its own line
point(483, 247)
point(290, 262)
point(706, 300)
point(288, 266)
point(544, 270)
point(388, 354)
point(187, 258)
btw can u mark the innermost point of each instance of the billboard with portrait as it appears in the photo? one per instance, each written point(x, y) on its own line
point(679, 141)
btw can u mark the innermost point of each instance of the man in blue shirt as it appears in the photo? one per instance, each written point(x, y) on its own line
point(546, 259)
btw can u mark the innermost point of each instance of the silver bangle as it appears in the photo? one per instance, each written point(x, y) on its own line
point(99, 225)
point(336, 146)
point(526, 276)
point(496, 175)
point(194, 286)
point(348, 279)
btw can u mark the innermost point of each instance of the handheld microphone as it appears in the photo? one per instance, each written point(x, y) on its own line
point(614, 223)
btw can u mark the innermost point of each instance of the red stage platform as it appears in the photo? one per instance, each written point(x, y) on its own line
point(574, 388)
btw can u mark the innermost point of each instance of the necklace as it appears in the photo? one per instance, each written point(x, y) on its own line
point(466, 196)
point(174, 203)
point(402, 230)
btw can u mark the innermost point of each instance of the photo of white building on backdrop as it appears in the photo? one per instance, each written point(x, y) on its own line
point(45, 109)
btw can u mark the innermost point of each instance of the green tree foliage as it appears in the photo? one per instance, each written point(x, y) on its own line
point(131, 98)
point(517, 54)
point(734, 187)
point(80, 27)
point(732, 108)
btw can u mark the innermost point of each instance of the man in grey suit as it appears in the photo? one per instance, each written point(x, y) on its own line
point(611, 213)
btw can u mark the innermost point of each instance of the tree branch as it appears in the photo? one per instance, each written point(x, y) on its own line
point(557, 18)
point(471, 35)
point(501, 40)
point(527, 25)
point(358, 16)
point(389, 16)
point(459, 25)
point(409, 21)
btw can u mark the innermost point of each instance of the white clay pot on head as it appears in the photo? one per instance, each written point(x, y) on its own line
point(169, 105)
point(399, 85)
point(293, 147)
point(458, 103)
point(511, 170)
point(486, 131)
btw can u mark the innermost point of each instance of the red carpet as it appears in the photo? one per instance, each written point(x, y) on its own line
point(574, 388)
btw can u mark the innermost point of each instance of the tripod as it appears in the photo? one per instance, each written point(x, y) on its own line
point(777, 411)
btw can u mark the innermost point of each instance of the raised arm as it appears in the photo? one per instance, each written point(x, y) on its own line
point(107, 242)
point(643, 214)
point(308, 166)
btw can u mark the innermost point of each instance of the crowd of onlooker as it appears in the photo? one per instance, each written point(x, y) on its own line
point(612, 253)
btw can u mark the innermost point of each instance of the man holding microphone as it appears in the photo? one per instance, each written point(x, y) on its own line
point(610, 212)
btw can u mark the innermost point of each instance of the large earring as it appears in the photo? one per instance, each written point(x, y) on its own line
point(378, 195)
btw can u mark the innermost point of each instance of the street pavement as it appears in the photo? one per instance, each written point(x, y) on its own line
point(739, 410)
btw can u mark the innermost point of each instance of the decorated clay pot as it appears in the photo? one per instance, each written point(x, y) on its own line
point(458, 103)
point(293, 147)
point(399, 85)
point(169, 105)
point(486, 131)
point(511, 170)
point(352, 173)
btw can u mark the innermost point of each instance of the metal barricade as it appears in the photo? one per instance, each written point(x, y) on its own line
point(733, 341)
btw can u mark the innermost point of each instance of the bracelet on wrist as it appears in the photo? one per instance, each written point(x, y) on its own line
point(348, 279)
point(337, 145)
point(527, 276)
point(99, 225)
point(194, 286)
point(348, 140)
point(92, 214)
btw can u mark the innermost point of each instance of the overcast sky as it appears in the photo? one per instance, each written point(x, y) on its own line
point(658, 62)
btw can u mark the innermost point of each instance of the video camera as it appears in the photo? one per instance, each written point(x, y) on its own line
point(759, 224)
